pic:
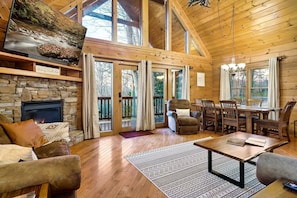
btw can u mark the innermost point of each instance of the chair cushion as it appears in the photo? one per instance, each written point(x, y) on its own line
point(183, 112)
point(187, 121)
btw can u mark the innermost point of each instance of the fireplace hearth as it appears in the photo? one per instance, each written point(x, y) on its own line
point(42, 111)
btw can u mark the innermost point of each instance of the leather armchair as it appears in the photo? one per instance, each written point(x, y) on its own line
point(187, 122)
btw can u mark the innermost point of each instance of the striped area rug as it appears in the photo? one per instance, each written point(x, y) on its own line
point(181, 171)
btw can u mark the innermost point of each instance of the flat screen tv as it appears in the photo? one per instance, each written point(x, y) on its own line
point(37, 30)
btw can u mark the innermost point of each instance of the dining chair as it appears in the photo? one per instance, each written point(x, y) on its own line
point(210, 115)
point(276, 127)
point(254, 102)
point(238, 101)
point(230, 115)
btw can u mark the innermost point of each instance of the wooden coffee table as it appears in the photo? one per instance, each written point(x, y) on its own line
point(240, 153)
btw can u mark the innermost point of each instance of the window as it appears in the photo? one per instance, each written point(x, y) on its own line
point(257, 82)
point(259, 85)
point(238, 85)
point(98, 21)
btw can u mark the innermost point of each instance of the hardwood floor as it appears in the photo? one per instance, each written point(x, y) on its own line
point(106, 173)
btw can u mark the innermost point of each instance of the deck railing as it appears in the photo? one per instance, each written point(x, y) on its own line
point(128, 107)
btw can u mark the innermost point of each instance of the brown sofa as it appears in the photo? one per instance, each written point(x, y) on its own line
point(55, 165)
point(182, 124)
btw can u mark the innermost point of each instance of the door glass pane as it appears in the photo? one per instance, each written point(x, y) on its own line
point(103, 75)
point(158, 86)
point(178, 84)
point(129, 97)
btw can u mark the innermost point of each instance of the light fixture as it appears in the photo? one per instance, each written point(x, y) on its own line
point(233, 67)
point(204, 3)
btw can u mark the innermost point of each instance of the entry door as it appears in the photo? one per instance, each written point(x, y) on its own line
point(125, 103)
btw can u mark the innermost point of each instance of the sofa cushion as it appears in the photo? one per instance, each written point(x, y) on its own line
point(183, 112)
point(53, 149)
point(12, 153)
point(187, 121)
point(55, 131)
point(25, 133)
point(4, 138)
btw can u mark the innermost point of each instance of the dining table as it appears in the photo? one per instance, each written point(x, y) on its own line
point(248, 111)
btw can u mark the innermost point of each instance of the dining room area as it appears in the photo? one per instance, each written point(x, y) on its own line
point(228, 116)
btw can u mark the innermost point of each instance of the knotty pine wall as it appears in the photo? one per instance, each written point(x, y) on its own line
point(263, 29)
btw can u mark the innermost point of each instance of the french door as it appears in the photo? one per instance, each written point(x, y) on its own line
point(117, 95)
point(125, 94)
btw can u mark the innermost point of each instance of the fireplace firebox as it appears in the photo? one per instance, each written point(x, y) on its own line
point(42, 111)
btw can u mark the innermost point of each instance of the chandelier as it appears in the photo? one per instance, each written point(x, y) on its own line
point(204, 3)
point(233, 67)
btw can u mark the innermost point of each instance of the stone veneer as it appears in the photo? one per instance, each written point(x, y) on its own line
point(16, 89)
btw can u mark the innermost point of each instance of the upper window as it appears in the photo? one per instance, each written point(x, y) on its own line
point(98, 19)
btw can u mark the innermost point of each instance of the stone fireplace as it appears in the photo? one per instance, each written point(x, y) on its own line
point(42, 111)
point(18, 90)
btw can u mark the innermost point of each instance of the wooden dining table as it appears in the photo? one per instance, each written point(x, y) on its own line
point(248, 111)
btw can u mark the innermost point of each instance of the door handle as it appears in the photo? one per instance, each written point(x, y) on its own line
point(120, 97)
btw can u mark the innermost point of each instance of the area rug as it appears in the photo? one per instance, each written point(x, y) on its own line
point(180, 171)
point(131, 134)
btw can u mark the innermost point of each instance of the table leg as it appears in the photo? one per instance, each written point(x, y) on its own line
point(239, 183)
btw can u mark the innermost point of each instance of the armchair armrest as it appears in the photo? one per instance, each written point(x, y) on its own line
point(172, 114)
point(63, 173)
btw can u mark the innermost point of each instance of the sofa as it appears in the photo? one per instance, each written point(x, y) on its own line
point(55, 165)
point(180, 117)
point(272, 166)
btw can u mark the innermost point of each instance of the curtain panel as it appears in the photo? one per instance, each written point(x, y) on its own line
point(145, 104)
point(186, 83)
point(273, 86)
point(90, 100)
point(225, 91)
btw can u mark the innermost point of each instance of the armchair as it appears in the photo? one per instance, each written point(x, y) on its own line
point(180, 117)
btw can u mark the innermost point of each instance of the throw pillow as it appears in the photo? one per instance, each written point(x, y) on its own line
point(55, 131)
point(12, 153)
point(183, 112)
point(25, 133)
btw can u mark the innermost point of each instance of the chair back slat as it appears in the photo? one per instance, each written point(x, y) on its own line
point(254, 102)
point(285, 114)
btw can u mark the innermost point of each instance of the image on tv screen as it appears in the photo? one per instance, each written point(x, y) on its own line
point(39, 31)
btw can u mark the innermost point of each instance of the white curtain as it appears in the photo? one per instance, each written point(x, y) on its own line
point(225, 92)
point(145, 103)
point(186, 83)
point(273, 86)
point(90, 101)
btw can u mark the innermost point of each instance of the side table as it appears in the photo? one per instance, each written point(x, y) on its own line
point(40, 191)
point(276, 190)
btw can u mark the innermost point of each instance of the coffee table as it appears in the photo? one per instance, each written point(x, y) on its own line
point(240, 153)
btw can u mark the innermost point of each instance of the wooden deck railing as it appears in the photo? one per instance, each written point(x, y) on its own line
point(128, 107)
